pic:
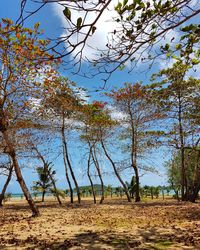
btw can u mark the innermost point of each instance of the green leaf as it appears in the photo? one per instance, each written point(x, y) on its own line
point(139, 27)
point(154, 26)
point(166, 47)
point(36, 25)
point(78, 23)
point(195, 61)
point(93, 29)
point(122, 67)
point(125, 2)
point(168, 54)
point(67, 13)
point(179, 46)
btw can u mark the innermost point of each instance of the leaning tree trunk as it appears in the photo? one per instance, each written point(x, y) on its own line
point(67, 178)
point(46, 170)
point(20, 179)
point(96, 163)
point(2, 195)
point(69, 162)
point(116, 172)
point(55, 188)
point(89, 177)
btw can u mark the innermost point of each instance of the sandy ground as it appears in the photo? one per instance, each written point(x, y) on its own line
point(113, 225)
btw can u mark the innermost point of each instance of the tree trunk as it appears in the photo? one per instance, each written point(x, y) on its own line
point(67, 178)
point(70, 166)
point(175, 191)
point(27, 194)
point(134, 156)
point(96, 163)
point(68, 160)
point(116, 172)
point(6, 185)
point(46, 170)
point(196, 180)
point(193, 193)
point(137, 184)
point(55, 188)
point(163, 194)
point(90, 179)
point(134, 165)
point(43, 194)
point(151, 190)
point(181, 134)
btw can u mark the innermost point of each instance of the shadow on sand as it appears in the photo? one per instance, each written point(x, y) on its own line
point(104, 240)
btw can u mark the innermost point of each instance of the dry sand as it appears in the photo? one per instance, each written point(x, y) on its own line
point(113, 225)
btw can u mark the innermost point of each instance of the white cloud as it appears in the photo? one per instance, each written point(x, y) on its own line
point(105, 27)
point(98, 40)
point(82, 94)
point(116, 114)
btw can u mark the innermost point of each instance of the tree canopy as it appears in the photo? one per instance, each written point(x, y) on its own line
point(141, 30)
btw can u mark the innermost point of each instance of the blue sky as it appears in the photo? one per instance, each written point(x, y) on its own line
point(51, 21)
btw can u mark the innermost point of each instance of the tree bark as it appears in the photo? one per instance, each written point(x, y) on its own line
point(68, 160)
point(2, 195)
point(43, 194)
point(163, 194)
point(20, 179)
point(96, 163)
point(90, 179)
point(137, 184)
point(67, 178)
point(151, 190)
point(181, 134)
point(196, 180)
point(55, 188)
point(134, 156)
point(116, 172)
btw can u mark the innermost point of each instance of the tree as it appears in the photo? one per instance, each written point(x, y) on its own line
point(44, 183)
point(26, 75)
point(131, 186)
point(174, 175)
point(109, 190)
point(63, 104)
point(46, 176)
point(138, 26)
point(134, 101)
point(176, 97)
point(192, 166)
point(87, 117)
point(89, 176)
point(101, 126)
point(9, 169)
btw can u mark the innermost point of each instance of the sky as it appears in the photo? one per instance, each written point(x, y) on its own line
point(52, 22)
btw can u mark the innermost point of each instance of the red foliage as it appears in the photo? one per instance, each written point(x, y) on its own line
point(130, 91)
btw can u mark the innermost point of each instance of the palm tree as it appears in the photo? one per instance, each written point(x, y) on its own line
point(131, 186)
point(44, 183)
point(109, 190)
